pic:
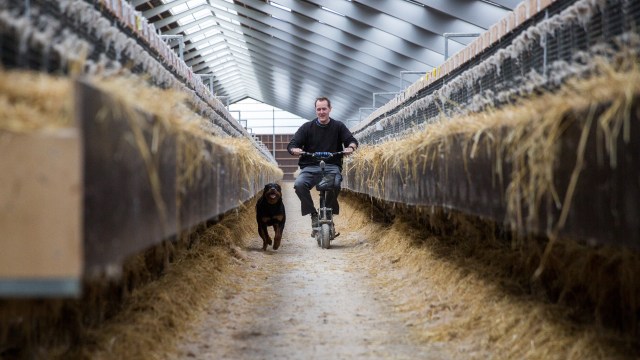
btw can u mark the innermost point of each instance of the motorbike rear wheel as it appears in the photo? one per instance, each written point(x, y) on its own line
point(325, 236)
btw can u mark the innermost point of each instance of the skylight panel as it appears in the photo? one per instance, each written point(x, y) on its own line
point(202, 14)
point(219, 62)
point(414, 3)
point(192, 29)
point(237, 31)
point(216, 41)
point(331, 11)
point(207, 23)
point(208, 44)
point(219, 7)
point(214, 57)
point(223, 18)
point(281, 7)
point(495, 4)
point(220, 47)
point(197, 38)
point(236, 42)
point(212, 32)
point(203, 46)
point(227, 27)
point(179, 9)
point(186, 20)
point(226, 66)
point(205, 52)
point(195, 3)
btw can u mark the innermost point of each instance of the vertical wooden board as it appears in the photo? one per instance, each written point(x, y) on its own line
point(197, 192)
point(129, 180)
point(494, 31)
point(486, 39)
point(544, 3)
point(511, 22)
point(473, 49)
point(521, 13)
point(533, 7)
point(40, 205)
point(503, 27)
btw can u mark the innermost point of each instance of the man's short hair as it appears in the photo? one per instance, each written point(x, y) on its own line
point(323, 98)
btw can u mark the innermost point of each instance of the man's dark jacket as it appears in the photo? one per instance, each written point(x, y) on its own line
point(313, 137)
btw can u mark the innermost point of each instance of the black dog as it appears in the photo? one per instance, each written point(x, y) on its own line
point(270, 212)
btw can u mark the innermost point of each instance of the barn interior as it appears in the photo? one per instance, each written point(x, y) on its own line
point(499, 137)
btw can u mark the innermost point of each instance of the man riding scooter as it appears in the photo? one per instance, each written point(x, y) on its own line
point(322, 134)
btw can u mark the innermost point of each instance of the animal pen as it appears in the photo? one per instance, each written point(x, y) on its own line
point(112, 147)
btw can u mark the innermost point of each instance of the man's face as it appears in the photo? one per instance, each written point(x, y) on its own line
point(322, 111)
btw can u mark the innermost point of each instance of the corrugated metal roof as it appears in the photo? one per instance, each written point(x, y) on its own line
point(286, 53)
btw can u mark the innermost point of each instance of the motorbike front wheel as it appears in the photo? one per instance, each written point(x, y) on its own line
point(325, 236)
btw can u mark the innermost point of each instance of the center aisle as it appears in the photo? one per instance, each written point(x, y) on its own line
point(302, 302)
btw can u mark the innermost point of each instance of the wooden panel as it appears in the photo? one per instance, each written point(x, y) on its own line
point(129, 179)
point(40, 206)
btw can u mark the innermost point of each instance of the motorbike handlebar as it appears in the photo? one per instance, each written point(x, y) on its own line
point(322, 155)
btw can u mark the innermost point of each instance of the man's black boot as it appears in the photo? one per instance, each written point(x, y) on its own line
point(314, 224)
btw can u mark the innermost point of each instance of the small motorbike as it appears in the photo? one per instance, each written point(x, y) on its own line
point(325, 232)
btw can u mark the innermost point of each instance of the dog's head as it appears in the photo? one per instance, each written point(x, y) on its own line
point(272, 192)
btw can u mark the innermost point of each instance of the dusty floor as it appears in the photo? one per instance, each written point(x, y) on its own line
point(304, 302)
point(380, 292)
point(362, 300)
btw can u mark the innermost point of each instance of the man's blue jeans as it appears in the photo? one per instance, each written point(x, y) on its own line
point(309, 177)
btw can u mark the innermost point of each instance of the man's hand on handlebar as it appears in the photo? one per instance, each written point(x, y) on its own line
point(299, 152)
point(320, 155)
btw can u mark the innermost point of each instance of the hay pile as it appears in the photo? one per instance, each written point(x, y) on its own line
point(459, 285)
point(174, 112)
point(32, 101)
point(198, 138)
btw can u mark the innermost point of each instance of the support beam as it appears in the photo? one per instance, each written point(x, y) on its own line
point(448, 36)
